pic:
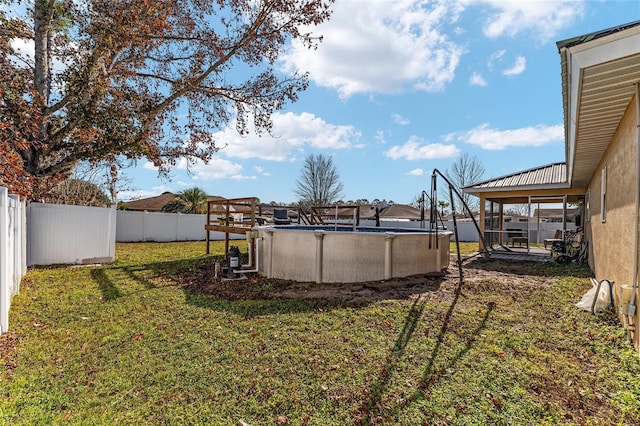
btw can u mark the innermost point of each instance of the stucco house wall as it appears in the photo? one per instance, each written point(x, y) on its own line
point(611, 242)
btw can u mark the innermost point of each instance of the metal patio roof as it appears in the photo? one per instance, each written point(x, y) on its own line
point(543, 177)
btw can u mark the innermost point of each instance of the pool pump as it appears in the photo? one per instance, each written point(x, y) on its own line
point(233, 261)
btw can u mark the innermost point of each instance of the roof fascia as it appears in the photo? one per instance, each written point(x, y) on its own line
point(563, 185)
point(582, 56)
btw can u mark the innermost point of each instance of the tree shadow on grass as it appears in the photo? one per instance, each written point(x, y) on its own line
point(372, 409)
point(107, 287)
point(112, 279)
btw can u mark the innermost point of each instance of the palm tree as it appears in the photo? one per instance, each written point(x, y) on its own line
point(443, 205)
point(192, 200)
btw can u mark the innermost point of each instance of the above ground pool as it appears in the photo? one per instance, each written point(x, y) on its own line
point(348, 254)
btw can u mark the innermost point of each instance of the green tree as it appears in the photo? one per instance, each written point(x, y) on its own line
point(319, 183)
point(111, 79)
point(192, 200)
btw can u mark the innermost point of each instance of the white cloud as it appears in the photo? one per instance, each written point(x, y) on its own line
point(384, 47)
point(379, 136)
point(291, 132)
point(416, 149)
point(398, 119)
point(495, 57)
point(416, 172)
point(517, 68)
point(494, 139)
point(542, 19)
point(260, 170)
point(216, 168)
point(477, 80)
point(160, 189)
point(136, 194)
point(148, 165)
point(24, 48)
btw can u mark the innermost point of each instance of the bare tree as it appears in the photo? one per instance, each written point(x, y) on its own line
point(520, 209)
point(465, 171)
point(104, 174)
point(77, 192)
point(319, 183)
point(94, 183)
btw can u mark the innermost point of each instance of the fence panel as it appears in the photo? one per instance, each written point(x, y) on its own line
point(60, 233)
point(466, 229)
point(12, 252)
point(163, 227)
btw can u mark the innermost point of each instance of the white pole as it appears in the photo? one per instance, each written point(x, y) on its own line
point(5, 297)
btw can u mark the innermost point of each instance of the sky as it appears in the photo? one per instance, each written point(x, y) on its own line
point(400, 88)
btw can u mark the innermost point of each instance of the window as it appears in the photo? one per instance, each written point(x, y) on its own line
point(587, 207)
point(603, 194)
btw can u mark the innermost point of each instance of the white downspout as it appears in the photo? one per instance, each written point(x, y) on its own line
point(636, 216)
point(250, 237)
point(257, 268)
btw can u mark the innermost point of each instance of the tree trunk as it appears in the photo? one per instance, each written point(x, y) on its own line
point(43, 15)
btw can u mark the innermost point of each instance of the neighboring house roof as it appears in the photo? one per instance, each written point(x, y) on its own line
point(599, 72)
point(400, 211)
point(155, 204)
point(221, 207)
point(367, 212)
point(151, 204)
point(549, 176)
point(550, 213)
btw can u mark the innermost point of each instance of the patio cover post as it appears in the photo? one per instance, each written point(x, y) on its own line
point(481, 224)
point(501, 222)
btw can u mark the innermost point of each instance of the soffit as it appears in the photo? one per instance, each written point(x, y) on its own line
point(599, 79)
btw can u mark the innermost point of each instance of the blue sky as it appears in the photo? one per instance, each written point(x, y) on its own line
point(399, 88)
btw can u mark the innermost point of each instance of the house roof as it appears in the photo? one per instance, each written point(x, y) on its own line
point(554, 212)
point(400, 211)
point(599, 72)
point(549, 176)
point(218, 204)
point(151, 204)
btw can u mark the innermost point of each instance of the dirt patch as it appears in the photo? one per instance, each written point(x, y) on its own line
point(8, 342)
point(479, 275)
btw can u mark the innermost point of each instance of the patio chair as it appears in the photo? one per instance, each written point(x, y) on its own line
point(517, 236)
point(557, 238)
point(281, 217)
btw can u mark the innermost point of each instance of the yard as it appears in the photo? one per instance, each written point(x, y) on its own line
point(153, 339)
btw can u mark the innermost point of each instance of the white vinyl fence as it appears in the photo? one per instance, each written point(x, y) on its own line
point(163, 227)
point(12, 252)
point(59, 233)
point(466, 229)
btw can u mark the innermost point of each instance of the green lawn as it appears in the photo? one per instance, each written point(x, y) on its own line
point(132, 343)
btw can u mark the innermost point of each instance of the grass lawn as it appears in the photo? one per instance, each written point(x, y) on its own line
point(134, 342)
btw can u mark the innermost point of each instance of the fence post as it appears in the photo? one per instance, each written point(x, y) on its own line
point(178, 223)
point(14, 245)
point(5, 296)
point(112, 231)
point(144, 226)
